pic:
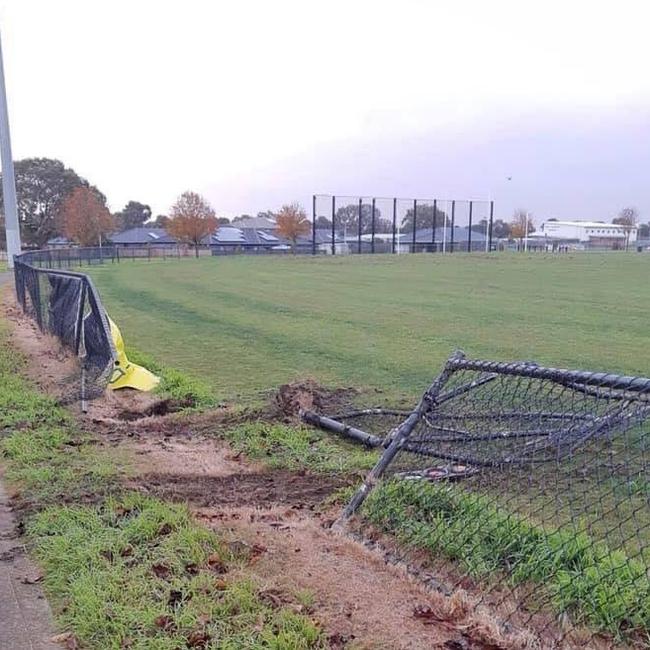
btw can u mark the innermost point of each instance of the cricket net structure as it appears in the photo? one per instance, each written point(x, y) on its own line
point(526, 486)
point(66, 305)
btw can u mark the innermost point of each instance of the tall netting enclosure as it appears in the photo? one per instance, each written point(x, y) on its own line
point(67, 306)
point(365, 224)
point(529, 488)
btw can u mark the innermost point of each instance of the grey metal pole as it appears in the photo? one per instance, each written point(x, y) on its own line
point(8, 179)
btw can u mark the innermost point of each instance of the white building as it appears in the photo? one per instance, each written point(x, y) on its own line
point(589, 234)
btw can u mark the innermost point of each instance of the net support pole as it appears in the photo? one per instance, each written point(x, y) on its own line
point(415, 223)
point(399, 437)
point(394, 225)
point(333, 225)
point(453, 225)
point(490, 224)
point(359, 225)
point(313, 225)
point(433, 225)
point(469, 228)
point(372, 226)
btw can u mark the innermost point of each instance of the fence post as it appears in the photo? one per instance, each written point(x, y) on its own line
point(333, 225)
point(490, 227)
point(372, 236)
point(394, 223)
point(433, 227)
point(453, 222)
point(469, 231)
point(415, 222)
point(359, 226)
point(313, 225)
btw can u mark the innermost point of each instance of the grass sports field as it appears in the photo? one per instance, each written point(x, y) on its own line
point(246, 324)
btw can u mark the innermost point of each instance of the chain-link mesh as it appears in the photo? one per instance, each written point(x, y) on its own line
point(67, 306)
point(529, 488)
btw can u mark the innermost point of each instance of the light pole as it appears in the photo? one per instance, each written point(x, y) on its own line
point(8, 181)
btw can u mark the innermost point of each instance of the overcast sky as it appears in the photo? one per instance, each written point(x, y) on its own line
point(256, 103)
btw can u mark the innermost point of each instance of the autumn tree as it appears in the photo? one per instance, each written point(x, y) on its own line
point(42, 186)
point(292, 222)
point(521, 225)
point(191, 219)
point(86, 219)
point(627, 218)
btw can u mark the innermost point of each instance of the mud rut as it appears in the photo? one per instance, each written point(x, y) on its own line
point(362, 600)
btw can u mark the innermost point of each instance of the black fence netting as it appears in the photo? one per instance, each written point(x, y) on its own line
point(528, 490)
point(67, 306)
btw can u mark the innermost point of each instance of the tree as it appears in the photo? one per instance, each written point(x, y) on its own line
point(86, 219)
point(292, 222)
point(160, 221)
point(627, 218)
point(42, 185)
point(500, 229)
point(424, 218)
point(323, 222)
point(347, 218)
point(521, 225)
point(223, 221)
point(481, 226)
point(191, 219)
point(133, 215)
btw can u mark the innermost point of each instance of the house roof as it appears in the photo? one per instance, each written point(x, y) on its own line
point(255, 222)
point(143, 235)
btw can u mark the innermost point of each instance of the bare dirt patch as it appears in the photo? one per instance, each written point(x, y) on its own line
point(309, 395)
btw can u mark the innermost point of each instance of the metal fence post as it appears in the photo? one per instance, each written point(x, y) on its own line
point(433, 227)
point(453, 222)
point(372, 236)
point(333, 225)
point(313, 225)
point(415, 223)
point(469, 229)
point(394, 223)
point(490, 226)
point(359, 226)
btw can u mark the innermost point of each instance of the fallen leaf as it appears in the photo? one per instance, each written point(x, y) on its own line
point(216, 564)
point(32, 578)
point(161, 570)
point(198, 639)
point(165, 529)
point(192, 568)
point(165, 622)
point(425, 614)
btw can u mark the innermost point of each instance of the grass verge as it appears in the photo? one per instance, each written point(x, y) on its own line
point(297, 447)
point(122, 570)
point(603, 588)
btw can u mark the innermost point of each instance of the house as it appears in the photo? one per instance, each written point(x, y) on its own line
point(59, 242)
point(462, 239)
point(587, 234)
point(143, 236)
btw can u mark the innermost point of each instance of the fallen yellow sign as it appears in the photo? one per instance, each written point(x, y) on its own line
point(127, 374)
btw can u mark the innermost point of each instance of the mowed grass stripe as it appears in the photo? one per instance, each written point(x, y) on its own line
point(247, 324)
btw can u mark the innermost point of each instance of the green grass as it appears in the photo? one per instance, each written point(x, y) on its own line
point(247, 324)
point(122, 570)
point(598, 586)
point(292, 447)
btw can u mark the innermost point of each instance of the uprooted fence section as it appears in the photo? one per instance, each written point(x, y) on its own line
point(66, 305)
point(527, 487)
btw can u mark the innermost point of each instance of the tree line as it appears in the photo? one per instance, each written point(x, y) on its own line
point(53, 200)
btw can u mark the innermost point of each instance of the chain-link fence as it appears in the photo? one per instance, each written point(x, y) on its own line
point(527, 488)
point(67, 306)
point(358, 224)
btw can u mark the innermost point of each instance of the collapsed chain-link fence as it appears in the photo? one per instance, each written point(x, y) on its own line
point(67, 306)
point(527, 487)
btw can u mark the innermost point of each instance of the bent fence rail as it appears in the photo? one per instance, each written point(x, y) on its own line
point(528, 488)
point(66, 305)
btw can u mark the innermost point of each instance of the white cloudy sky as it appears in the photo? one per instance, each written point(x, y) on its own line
point(255, 103)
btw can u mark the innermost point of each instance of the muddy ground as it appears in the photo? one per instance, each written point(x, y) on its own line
point(359, 594)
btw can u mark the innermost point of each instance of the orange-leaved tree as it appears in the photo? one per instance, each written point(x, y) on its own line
point(292, 222)
point(86, 219)
point(521, 225)
point(191, 219)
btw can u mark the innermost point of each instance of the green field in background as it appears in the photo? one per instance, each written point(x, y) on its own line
point(246, 324)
